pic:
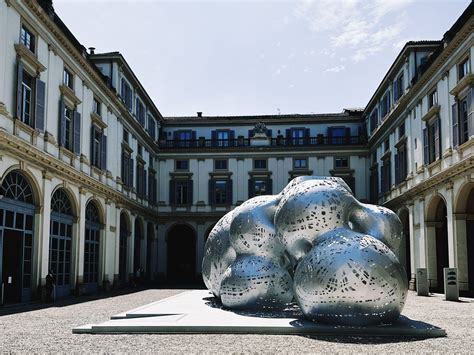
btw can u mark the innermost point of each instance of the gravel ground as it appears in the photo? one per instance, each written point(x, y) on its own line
point(47, 328)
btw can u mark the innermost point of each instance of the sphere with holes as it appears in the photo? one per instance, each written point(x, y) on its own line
point(350, 278)
point(255, 282)
point(218, 254)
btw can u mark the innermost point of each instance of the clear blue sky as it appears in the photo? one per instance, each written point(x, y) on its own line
point(248, 57)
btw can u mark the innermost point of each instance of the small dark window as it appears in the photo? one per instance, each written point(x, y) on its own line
point(401, 130)
point(464, 68)
point(68, 114)
point(27, 97)
point(341, 162)
point(125, 136)
point(220, 192)
point(260, 164)
point(27, 39)
point(140, 150)
point(433, 98)
point(386, 146)
point(67, 78)
point(182, 165)
point(300, 163)
point(220, 164)
point(96, 106)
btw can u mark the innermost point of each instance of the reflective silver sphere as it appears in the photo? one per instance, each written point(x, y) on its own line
point(352, 279)
point(344, 254)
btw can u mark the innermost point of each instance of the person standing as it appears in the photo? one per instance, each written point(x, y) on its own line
point(50, 281)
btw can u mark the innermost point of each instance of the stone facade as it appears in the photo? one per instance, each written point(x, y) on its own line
point(96, 184)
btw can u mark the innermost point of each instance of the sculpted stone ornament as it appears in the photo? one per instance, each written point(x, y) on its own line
point(313, 243)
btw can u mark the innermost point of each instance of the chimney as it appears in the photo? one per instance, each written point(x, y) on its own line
point(199, 113)
point(91, 50)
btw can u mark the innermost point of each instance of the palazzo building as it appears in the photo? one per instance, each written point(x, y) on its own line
point(95, 183)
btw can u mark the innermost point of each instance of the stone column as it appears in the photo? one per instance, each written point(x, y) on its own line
point(131, 246)
point(117, 244)
point(452, 240)
point(413, 251)
point(81, 229)
point(460, 232)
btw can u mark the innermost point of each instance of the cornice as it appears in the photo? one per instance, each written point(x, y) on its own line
point(433, 111)
point(464, 83)
point(45, 162)
point(464, 33)
point(69, 95)
point(29, 58)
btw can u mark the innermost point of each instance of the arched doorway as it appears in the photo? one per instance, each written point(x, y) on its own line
point(150, 236)
point(470, 242)
point(465, 239)
point(181, 255)
point(17, 210)
point(60, 241)
point(137, 246)
point(405, 243)
point(437, 220)
point(123, 247)
point(92, 247)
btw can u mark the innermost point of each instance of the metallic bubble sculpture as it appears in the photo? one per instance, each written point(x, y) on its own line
point(313, 243)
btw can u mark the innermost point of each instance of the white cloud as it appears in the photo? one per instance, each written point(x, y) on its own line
point(335, 69)
point(363, 26)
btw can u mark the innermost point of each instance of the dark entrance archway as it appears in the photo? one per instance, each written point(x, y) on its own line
point(405, 255)
point(17, 208)
point(181, 255)
point(137, 250)
point(441, 235)
point(123, 247)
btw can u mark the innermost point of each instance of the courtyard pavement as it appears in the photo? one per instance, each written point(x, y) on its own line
point(46, 328)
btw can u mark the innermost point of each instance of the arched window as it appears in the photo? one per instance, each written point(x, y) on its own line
point(60, 203)
point(16, 187)
point(60, 241)
point(92, 213)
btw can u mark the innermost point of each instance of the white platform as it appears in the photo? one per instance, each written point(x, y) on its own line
point(197, 312)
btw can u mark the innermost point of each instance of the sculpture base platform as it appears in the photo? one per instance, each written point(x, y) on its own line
point(198, 312)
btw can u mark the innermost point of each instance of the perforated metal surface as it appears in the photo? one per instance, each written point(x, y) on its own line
point(344, 253)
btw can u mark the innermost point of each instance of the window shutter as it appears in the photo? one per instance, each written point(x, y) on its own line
point(190, 192)
point(122, 90)
point(40, 104)
point(306, 135)
point(470, 109)
point(193, 137)
point(455, 125)
point(214, 138)
point(426, 152)
point(103, 152)
point(251, 188)
point(439, 142)
point(228, 185)
point(77, 133)
point(130, 172)
point(231, 138)
point(19, 81)
point(212, 192)
point(62, 123)
point(92, 145)
point(397, 168)
point(172, 192)
point(348, 135)
point(269, 187)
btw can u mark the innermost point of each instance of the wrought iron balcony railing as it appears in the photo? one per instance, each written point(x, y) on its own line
point(273, 142)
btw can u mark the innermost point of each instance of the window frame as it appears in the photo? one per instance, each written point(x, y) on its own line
point(295, 167)
point(260, 160)
point(68, 78)
point(26, 29)
point(341, 159)
point(181, 161)
point(466, 61)
point(97, 106)
point(221, 168)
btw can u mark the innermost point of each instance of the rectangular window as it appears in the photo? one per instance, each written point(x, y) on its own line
point(341, 162)
point(386, 176)
point(432, 141)
point(338, 134)
point(181, 192)
point(182, 165)
point(432, 98)
point(67, 78)
point(125, 136)
point(464, 68)
point(222, 138)
point(260, 164)
point(373, 120)
point(463, 121)
point(385, 105)
point(300, 163)
point(398, 88)
point(140, 112)
point(27, 39)
point(27, 96)
point(297, 136)
point(220, 164)
point(220, 192)
point(96, 140)
point(127, 95)
point(68, 112)
point(139, 150)
point(401, 130)
point(151, 127)
point(260, 187)
point(96, 107)
point(386, 146)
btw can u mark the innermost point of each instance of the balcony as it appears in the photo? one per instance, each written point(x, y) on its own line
point(319, 141)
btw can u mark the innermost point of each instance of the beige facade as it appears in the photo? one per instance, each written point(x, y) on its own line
point(96, 184)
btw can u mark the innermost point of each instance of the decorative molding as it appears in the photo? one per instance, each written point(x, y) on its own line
point(29, 59)
point(69, 95)
point(463, 84)
point(432, 112)
point(97, 120)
